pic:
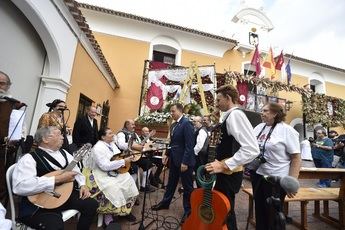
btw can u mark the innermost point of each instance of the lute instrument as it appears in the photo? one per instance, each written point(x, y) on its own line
point(130, 152)
point(61, 193)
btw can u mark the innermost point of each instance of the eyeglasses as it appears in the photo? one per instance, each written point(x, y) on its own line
point(319, 133)
point(4, 83)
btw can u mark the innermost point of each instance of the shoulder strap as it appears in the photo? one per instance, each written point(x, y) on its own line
point(51, 159)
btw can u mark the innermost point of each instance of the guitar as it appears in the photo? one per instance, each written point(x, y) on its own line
point(135, 153)
point(61, 193)
point(209, 207)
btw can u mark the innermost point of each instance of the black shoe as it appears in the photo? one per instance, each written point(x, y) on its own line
point(130, 217)
point(137, 202)
point(159, 206)
point(148, 189)
point(154, 183)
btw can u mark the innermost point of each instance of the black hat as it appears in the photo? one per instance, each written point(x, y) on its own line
point(53, 104)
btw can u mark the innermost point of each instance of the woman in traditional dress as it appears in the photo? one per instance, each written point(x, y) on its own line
point(54, 117)
point(115, 192)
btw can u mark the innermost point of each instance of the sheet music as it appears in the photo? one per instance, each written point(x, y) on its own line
point(14, 130)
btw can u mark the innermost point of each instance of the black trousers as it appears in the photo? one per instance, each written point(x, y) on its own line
point(5, 163)
point(159, 165)
point(51, 219)
point(264, 212)
point(187, 182)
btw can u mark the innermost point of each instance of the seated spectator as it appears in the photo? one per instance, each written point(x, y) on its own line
point(322, 152)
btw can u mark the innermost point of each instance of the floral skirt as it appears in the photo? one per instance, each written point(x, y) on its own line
point(105, 206)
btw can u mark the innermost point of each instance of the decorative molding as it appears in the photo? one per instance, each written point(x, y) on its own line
point(55, 83)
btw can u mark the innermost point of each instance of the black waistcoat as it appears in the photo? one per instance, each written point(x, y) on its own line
point(204, 150)
point(228, 146)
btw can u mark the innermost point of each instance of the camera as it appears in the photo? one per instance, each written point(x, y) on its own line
point(255, 164)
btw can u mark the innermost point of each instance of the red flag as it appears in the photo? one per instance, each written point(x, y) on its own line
point(242, 88)
point(154, 97)
point(280, 61)
point(256, 61)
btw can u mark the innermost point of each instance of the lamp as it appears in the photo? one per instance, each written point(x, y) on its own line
point(288, 105)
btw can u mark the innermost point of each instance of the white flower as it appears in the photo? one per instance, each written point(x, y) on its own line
point(153, 118)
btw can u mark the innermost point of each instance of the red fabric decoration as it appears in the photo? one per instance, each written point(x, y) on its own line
point(242, 88)
point(158, 65)
point(163, 79)
point(154, 97)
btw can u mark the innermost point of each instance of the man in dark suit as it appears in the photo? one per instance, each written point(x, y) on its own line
point(85, 129)
point(182, 160)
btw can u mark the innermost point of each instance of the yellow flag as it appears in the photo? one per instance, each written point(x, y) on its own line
point(269, 63)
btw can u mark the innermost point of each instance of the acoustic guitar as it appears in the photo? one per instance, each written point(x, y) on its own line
point(135, 153)
point(61, 193)
point(209, 207)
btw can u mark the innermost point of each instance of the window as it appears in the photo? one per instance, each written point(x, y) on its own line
point(84, 102)
point(164, 57)
point(317, 83)
point(105, 114)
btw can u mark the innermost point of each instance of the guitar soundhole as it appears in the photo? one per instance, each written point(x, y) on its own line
point(206, 214)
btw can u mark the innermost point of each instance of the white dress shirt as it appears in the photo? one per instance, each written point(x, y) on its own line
point(238, 125)
point(200, 141)
point(25, 179)
point(121, 140)
point(90, 120)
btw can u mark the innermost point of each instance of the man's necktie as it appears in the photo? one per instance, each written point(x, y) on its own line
point(172, 129)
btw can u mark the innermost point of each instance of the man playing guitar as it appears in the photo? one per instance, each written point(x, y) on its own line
point(29, 179)
point(122, 139)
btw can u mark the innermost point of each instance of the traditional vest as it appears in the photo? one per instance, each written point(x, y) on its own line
point(204, 150)
point(26, 208)
point(227, 147)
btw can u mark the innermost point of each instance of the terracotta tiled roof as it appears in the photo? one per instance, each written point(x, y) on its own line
point(73, 7)
point(314, 62)
point(156, 22)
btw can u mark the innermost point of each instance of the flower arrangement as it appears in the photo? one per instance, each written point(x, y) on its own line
point(161, 118)
point(154, 118)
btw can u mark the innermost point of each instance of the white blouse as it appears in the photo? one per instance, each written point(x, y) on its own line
point(102, 152)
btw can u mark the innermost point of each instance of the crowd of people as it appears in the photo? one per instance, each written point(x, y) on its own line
point(106, 182)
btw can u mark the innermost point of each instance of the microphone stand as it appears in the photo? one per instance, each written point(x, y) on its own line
point(64, 132)
point(142, 226)
point(279, 220)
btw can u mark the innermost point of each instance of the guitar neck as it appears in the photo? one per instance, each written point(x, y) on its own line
point(71, 165)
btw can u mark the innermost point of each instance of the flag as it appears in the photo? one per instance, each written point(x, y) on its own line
point(154, 97)
point(242, 88)
point(270, 64)
point(288, 72)
point(256, 61)
point(280, 61)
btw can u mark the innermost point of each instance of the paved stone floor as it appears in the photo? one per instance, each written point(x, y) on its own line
point(169, 219)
